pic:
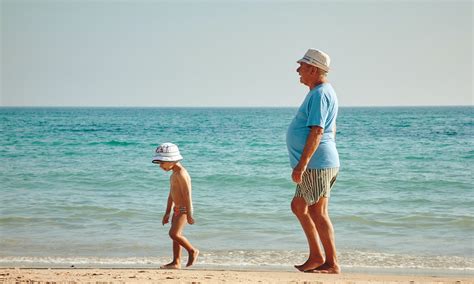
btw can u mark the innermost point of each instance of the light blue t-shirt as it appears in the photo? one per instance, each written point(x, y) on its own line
point(318, 109)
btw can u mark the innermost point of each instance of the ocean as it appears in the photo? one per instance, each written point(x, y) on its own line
point(77, 187)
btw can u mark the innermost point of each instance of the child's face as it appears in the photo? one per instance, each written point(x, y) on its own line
point(166, 166)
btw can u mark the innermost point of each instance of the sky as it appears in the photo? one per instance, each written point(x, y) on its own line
point(233, 53)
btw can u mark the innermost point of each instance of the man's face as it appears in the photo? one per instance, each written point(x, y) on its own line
point(306, 72)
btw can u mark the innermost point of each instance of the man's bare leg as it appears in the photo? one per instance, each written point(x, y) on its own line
point(315, 259)
point(320, 215)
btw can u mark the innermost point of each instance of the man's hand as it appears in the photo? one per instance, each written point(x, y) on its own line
point(166, 218)
point(297, 174)
point(190, 219)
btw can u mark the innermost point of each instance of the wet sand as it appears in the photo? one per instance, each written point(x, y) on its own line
point(81, 275)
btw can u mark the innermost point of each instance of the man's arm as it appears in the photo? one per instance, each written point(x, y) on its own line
point(312, 143)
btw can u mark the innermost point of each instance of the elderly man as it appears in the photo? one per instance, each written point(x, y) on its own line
point(315, 161)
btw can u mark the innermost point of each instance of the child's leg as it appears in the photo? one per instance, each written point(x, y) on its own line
point(176, 263)
point(176, 235)
point(176, 252)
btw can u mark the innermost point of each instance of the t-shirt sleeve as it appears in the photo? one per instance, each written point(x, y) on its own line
point(317, 111)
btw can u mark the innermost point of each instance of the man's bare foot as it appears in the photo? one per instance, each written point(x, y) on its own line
point(309, 265)
point(326, 269)
point(171, 265)
point(324, 266)
point(192, 257)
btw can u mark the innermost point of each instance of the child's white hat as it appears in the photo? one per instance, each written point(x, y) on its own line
point(167, 152)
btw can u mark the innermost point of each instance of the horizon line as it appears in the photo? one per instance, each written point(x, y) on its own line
point(361, 106)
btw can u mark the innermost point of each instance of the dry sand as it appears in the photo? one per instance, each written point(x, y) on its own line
point(93, 275)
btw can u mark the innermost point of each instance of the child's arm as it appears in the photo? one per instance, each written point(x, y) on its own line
point(166, 217)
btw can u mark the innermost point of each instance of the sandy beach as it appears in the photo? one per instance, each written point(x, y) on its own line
point(28, 275)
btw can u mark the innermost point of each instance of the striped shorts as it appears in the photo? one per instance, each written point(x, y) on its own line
point(316, 183)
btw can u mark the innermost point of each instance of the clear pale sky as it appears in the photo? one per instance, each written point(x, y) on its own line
point(233, 53)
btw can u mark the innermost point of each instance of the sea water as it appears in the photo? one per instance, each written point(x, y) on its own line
point(77, 187)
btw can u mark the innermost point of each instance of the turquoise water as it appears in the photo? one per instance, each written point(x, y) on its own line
point(78, 187)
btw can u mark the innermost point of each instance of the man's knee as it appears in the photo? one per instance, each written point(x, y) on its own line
point(299, 207)
point(319, 217)
point(318, 212)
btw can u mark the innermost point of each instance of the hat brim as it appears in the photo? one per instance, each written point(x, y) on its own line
point(320, 66)
point(158, 159)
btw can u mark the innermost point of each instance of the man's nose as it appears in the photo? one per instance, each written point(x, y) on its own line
point(298, 69)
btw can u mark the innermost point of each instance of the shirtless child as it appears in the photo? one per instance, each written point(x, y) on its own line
point(168, 158)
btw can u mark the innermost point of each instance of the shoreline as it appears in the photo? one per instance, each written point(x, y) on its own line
point(399, 271)
point(141, 275)
point(261, 260)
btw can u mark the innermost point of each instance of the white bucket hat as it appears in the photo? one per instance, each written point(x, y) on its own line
point(167, 152)
point(316, 58)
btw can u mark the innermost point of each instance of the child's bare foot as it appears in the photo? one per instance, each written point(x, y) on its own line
point(309, 265)
point(171, 265)
point(327, 269)
point(192, 257)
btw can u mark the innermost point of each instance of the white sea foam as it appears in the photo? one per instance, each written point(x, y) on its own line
point(257, 259)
